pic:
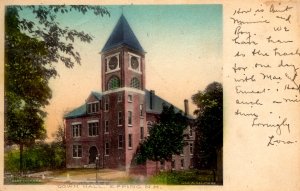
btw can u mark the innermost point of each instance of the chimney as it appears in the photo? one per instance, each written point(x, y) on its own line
point(152, 94)
point(186, 107)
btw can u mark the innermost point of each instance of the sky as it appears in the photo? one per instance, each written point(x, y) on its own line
point(183, 45)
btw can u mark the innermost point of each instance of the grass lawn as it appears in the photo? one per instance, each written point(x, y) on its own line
point(190, 177)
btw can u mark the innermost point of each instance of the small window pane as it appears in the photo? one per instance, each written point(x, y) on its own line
point(135, 83)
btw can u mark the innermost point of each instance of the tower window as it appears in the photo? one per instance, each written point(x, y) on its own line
point(130, 98)
point(120, 98)
point(120, 118)
point(142, 133)
point(130, 140)
point(106, 104)
point(113, 83)
point(129, 117)
point(141, 109)
point(135, 83)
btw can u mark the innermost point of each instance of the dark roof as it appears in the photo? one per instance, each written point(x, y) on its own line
point(78, 112)
point(122, 35)
point(157, 105)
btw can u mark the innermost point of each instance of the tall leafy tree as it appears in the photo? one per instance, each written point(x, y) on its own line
point(166, 137)
point(32, 47)
point(209, 125)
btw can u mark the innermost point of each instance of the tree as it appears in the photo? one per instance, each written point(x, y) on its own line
point(32, 47)
point(209, 125)
point(165, 137)
point(59, 145)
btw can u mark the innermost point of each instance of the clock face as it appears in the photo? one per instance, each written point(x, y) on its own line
point(113, 63)
point(134, 63)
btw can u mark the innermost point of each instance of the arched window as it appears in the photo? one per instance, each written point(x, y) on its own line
point(113, 83)
point(135, 83)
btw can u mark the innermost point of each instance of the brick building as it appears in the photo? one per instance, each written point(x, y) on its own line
point(111, 124)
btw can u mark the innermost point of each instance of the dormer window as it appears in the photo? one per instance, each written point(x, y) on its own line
point(93, 107)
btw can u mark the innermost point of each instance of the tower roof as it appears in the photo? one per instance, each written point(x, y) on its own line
point(122, 35)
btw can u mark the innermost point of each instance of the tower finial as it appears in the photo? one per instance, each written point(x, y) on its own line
point(122, 7)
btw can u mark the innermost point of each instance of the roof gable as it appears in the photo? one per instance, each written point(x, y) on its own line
point(122, 35)
point(82, 110)
point(94, 96)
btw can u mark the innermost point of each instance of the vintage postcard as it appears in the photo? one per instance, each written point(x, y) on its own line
point(150, 96)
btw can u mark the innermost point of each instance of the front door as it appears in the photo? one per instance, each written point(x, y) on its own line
point(93, 154)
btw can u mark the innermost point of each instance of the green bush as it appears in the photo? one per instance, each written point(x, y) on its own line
point(11, 161)
point(41, 156)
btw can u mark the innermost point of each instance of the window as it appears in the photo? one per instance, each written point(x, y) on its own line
point(173, 164)
point(129, 98)
point(120, 118)
point(182, 163)
point(135, 83)
point(106, 106)
point(93, 107)
point(149, 126)
point(130, 140)
point(141, 109)
point(112, 63)
point(113, 83)
point(106, 126)
point(93, 129)
point(106, 148)
point(134, 63)
point(182, 152)
point(76, 128)
point(77, 151)
point(120, 145)
point(142, 133)
point(129, 117)
point(190, 131)
point(120, 98)
point(191, 148)
point(191, 163)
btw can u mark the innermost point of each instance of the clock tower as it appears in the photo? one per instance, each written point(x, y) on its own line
point(123, 101)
